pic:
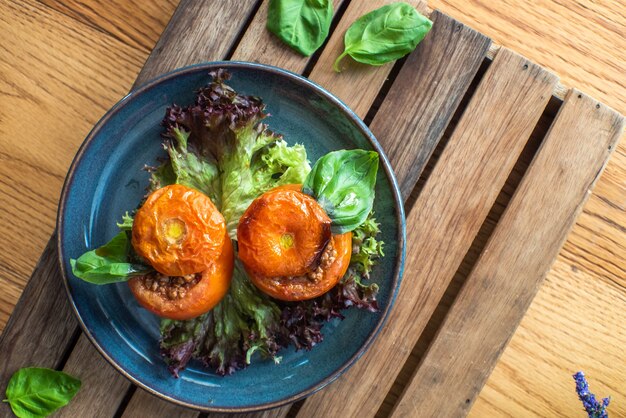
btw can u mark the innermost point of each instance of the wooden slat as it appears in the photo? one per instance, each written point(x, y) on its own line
point(143, 405)
point(521, 250)
point(198, 31)
point(34, 337)
point(102, 389)
point(259, 45)
point(444, 221)
point(358, 84)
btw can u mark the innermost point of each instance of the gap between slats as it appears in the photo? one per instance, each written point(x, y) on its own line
point(243, 30)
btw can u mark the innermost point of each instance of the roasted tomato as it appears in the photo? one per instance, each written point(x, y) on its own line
point(283, 233)
point(287, 248)
point(333, 265)
point(188, 296)
point(179, 231)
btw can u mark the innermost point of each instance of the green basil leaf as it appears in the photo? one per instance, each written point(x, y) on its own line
point(301, 24)
point(38, 392)
point(343, 183)
point(385, 34)
point(108, 264)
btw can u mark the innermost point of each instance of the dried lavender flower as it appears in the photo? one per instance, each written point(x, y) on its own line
point(594, 408)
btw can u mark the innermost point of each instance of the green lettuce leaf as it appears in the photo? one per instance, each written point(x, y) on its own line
point(127, 223)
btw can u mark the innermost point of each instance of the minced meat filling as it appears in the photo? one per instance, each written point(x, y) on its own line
point(169, 286)
point(326, 260)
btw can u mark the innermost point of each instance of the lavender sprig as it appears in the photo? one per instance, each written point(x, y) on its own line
point(594, 408)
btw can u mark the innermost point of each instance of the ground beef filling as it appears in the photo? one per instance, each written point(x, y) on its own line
point(326, 260)
point(171, 287)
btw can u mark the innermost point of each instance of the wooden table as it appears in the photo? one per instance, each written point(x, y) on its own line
point(64, 63)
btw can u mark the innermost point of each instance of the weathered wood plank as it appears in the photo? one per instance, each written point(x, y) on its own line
point(34, 337)
point(509, 271)
point(102, 389)
point(358, 84)
point(198, 31)
point(259, 45)
point(444, 221)
point(143, 404)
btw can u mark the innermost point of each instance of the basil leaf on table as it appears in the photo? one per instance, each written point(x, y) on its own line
point(38, 392)
point(108, 264)
point(301, 24)
point(384, 35)
point(343, 183)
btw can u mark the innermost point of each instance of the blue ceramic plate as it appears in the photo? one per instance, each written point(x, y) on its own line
point(106, 179)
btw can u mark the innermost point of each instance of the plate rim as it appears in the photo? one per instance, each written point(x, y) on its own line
point(298, 79)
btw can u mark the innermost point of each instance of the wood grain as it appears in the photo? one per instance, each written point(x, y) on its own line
point(45, 112)
point(102, 386)
point(143, 404)
point(521, 250)
point(259, 45)
point(444, 220)
point(582, 41)
point(272, 413)
point(358, 84)
point(575, 321)
point(136, 24)
point(572, 305)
